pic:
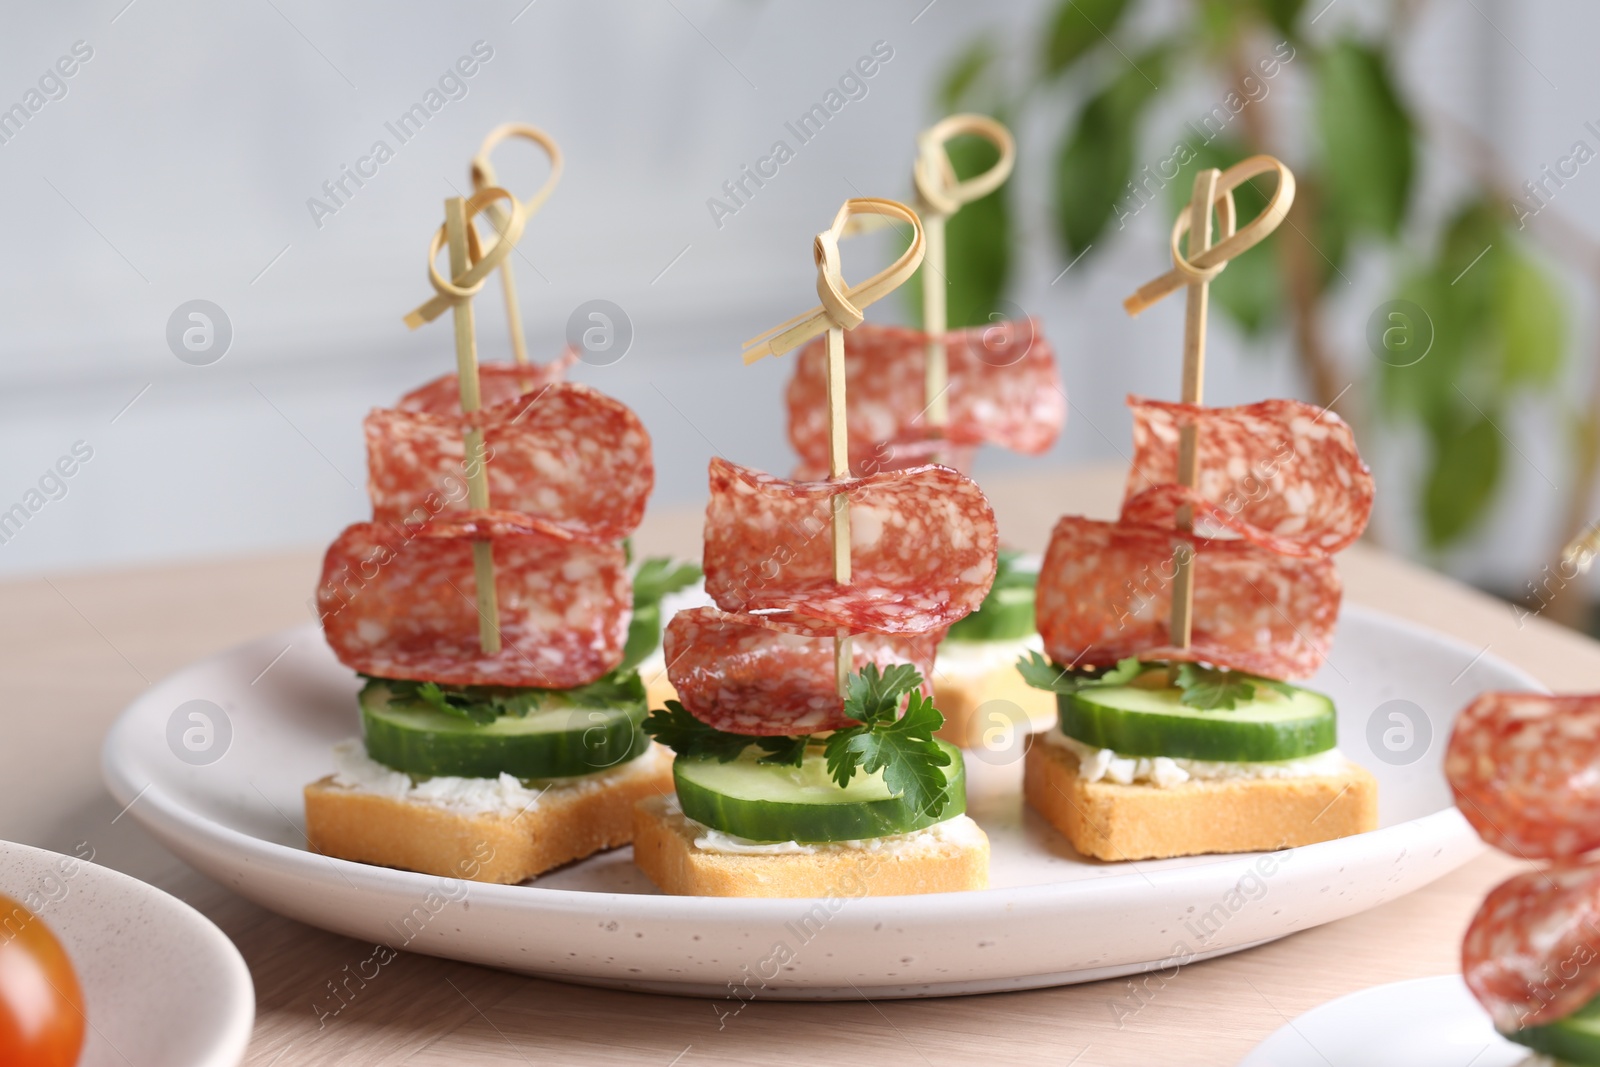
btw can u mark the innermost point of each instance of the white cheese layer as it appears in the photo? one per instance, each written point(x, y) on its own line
point(1102, 764)
point(967, 658)
point(960, 831)
point(505, 795)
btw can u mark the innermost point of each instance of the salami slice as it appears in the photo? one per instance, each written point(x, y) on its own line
point(1532, 953)
point(1105, 593)
point(567, 461)
point(1280, 474)
point(1004, 390)
point(1525, 770)
point(753, 675)
point(922, 548)
point(497, 383)
point(898, 456)
point(400, 607)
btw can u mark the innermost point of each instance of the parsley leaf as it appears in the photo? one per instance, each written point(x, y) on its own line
point(688, 736)
point(456, 704)
point(658, 576)
point(783, 751)
point(873, 696)
point(655, 578)
point(1123, 673)
point(483, 704)
point(903, 749)
point(1043, 674)
point(1211, 689)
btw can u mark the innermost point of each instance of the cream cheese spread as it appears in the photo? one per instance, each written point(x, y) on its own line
point(505, 795)
point(1102, 764)
point(960, 831)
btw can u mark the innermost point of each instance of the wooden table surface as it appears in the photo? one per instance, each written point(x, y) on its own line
point(75, 648)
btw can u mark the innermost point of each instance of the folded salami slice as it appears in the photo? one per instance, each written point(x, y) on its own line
point(1532, 953)
point(1525, 769)
point(497, 383)
point(401, 607)
point(1105, 593)
point(1004, 390)
point(922, 548)
point(897, 456)
point(1280, 474)
point(566, 460)
point(750, 674)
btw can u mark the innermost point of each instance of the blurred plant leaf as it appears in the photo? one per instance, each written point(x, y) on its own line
point(966, 74)
point(1077, 26)
point(1533, 326)
point(977, 245)
point(1095, 160)
point(1250, 289)
point(1367, 137)
point(1461, 481)
point(1282, 14)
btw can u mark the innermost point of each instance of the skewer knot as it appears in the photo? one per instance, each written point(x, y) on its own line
point(448, 292)
point(939, 191)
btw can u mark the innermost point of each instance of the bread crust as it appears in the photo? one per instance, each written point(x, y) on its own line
point(564, 826)
point(1110, 821)
point(960, 696)
point(663, 848)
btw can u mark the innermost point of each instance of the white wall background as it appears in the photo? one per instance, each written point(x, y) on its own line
point(179, 163)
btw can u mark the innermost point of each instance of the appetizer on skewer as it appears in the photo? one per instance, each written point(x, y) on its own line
point(488, 606)
point(1525, 771)
point(1173, 632)
point(935, 396)
point(806, 763)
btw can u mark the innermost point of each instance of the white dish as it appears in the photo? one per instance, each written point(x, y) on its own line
point(1426, 1022)
point(161, 984)
point(1051, 918)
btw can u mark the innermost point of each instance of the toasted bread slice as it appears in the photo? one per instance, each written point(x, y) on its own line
point(567, 822)
point(982, 707)
point(1131, 822)
point(943, 859)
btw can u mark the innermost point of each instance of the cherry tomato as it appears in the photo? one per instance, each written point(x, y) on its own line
point(41, 1005)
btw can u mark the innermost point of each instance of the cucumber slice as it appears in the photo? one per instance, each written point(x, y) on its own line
point(558, 738)
point(1005, 615)
point(1574, 1040)
point(765, 802)
point(1137, 721)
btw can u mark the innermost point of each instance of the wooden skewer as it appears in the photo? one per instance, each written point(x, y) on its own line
point(483, 177)
point(455, 225)
point(940, 194)
point(1180, 626)
point(840, 311)
point(1193, 271)
point(470, 266)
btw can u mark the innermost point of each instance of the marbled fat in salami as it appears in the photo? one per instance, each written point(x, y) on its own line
point(566, 460)
point(1004, 390)
point(1105, 593)
point(1525, 769)
point(922, 548)
point(400, 607)
point(497, 383)
point(1532, 953)
point(750, 674)
point(1281, 474)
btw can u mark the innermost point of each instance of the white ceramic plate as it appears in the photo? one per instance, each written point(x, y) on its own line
point(1426, 1022)
point(270, 711)
point(161, 984)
